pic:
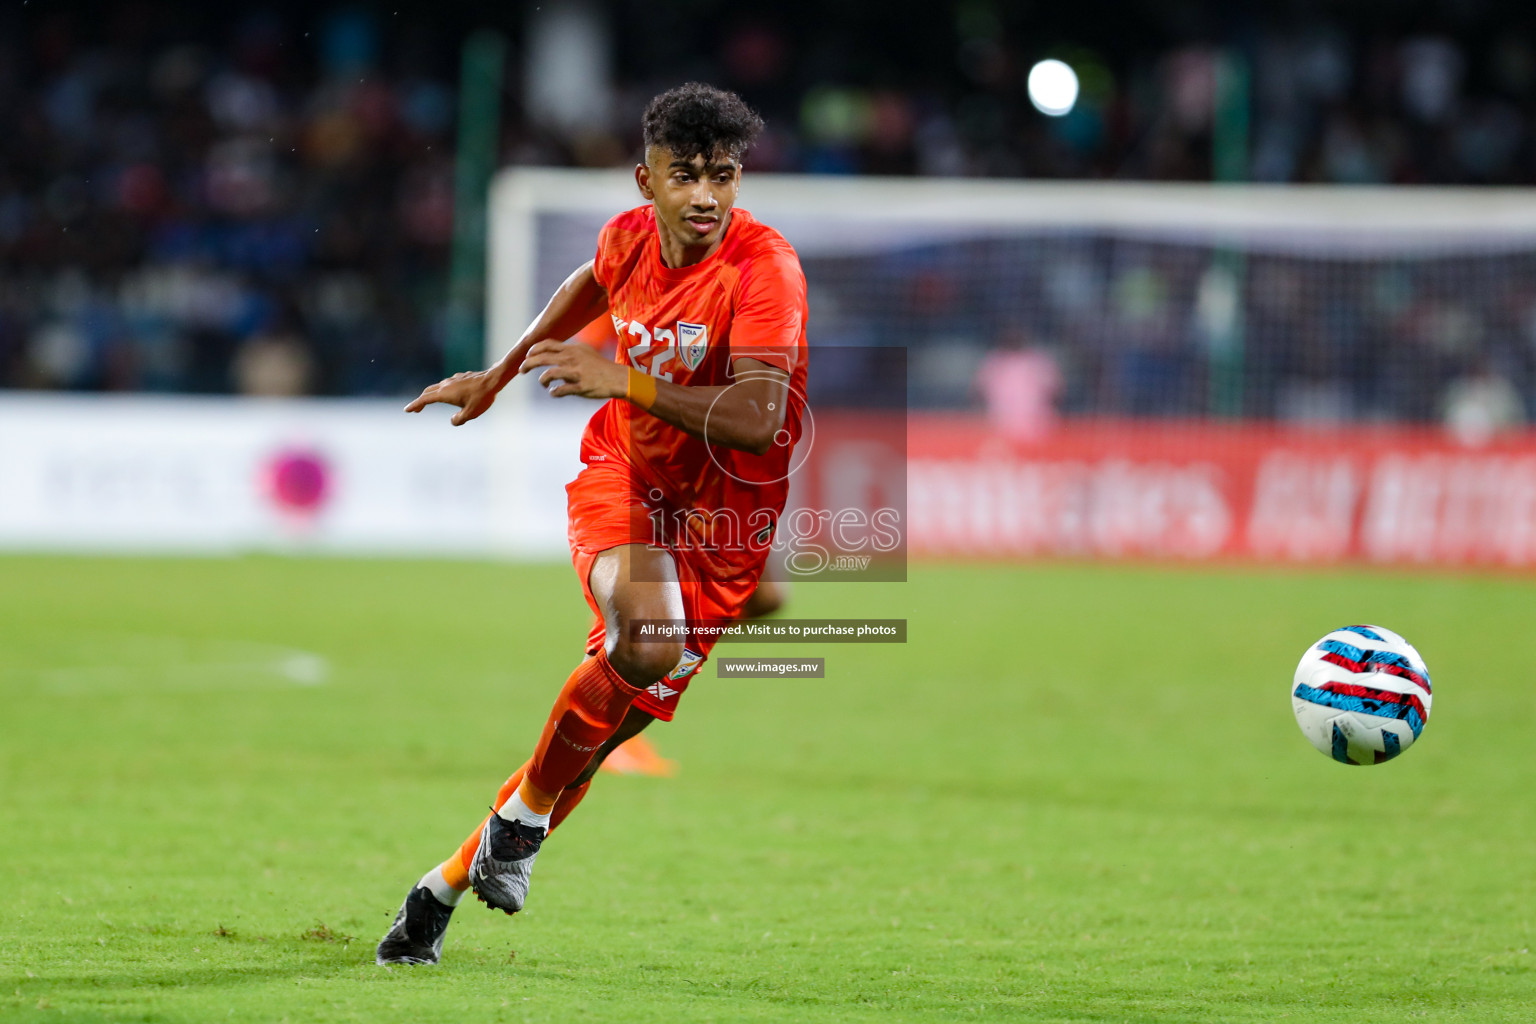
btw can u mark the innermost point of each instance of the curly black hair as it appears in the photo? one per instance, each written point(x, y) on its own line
point(699, 120)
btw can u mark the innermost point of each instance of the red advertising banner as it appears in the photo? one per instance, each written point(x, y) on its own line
point(1140, 489)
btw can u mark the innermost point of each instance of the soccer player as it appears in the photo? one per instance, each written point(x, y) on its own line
point(685, 470)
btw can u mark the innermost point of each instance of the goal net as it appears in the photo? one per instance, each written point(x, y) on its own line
point(1181, 371)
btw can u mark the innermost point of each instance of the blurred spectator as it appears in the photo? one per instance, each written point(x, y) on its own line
point(263, 202)
point(1020, 385)
point(160, 203)
point(1481, 404)
point(275, 362)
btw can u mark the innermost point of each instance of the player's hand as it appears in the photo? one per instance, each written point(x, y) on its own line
point(472, 392)
point(580, 369)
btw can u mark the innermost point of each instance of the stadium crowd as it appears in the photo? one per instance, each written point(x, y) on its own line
point(265, 205)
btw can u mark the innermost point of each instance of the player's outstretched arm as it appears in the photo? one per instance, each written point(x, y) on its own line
point(576, 303)
point(746, 415)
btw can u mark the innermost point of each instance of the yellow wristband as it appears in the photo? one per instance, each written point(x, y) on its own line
point(641, 388)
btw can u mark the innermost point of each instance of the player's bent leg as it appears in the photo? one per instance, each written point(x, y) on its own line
point(633, 582)
point(590, 706)
point(455, 870)
point(572, 795)
point(628, 582)
point(636, 756)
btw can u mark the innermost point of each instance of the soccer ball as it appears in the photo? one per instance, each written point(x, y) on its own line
point(1361, 695)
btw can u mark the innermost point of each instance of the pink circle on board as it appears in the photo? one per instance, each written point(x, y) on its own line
point(298, 481)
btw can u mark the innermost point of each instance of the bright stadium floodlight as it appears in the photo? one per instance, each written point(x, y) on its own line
point(1052, 87)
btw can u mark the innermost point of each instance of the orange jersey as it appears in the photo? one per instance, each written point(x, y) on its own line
point(686, 325)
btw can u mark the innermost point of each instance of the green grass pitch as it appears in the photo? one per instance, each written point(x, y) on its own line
point(1076, 794)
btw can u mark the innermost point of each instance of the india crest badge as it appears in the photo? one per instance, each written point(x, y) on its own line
point(692, 343)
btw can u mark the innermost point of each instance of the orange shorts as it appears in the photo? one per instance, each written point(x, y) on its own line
point(608, 507)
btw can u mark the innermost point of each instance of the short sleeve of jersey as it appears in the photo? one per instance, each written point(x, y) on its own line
point(602, 262)
point(768, 323)
point(619, 244)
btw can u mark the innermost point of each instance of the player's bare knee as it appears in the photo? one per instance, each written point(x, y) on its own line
point(641, 664)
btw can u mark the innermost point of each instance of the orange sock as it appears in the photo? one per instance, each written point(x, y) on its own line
point(456, 868)
point(589, 710)
point(566, 803)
